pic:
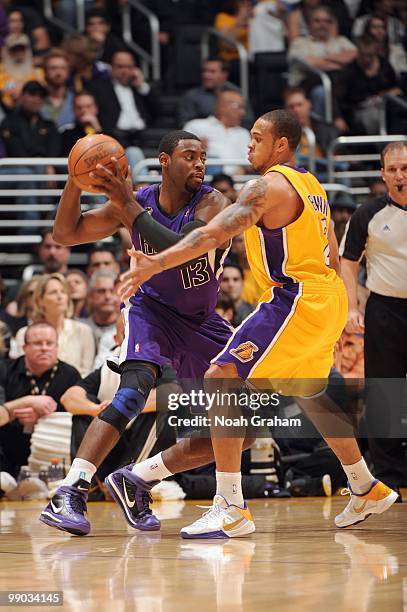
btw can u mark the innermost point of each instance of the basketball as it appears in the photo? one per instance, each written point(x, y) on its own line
point(89, 151)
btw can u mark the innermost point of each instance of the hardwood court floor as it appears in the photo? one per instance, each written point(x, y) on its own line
point(296, 561)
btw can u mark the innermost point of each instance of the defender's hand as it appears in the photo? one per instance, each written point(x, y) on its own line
point(142, 268)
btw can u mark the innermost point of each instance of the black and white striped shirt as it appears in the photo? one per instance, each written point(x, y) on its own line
point(378, 229)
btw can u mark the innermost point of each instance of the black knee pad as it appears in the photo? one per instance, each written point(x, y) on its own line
point(136, 381)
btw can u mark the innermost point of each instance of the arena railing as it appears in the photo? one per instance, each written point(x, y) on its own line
point(334, 174)
point(325, 81)
point(150, 62)
point(243, 56)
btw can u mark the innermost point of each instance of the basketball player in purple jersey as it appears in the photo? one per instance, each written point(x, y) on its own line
point(170, 320)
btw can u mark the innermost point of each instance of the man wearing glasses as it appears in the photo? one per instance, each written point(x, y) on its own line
point(30, 388)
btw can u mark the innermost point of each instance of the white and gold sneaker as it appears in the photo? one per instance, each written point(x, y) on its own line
point(222, 520)
point(375, 501)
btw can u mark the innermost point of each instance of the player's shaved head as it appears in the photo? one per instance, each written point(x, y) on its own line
point(284, 124)
point(171, 140)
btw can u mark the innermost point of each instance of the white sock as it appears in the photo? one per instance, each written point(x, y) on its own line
point(152, 468)
point(359, 476)
point(80, 468)
point(229, 485)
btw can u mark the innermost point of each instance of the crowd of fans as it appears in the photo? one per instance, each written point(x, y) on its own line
point(60, 322)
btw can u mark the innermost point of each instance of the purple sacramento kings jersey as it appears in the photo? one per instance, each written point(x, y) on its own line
point(193, 290)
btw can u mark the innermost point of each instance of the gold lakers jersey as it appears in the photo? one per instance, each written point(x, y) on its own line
point(298, 252)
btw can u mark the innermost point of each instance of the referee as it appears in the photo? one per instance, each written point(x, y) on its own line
point(378, 229)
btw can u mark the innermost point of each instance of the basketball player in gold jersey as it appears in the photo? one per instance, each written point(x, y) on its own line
point(292, 332)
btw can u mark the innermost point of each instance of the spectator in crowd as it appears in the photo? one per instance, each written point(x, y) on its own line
point(7, 323)
point(127, 104)
point(25, 133)
point(223, 132)
point(78, 286)
point(16, 69)
point(324, 49)
point(97, 29)
point(225, 184)
point(234, 24)
point(15, 22)
point(84, 69)
point(384, 9)
point(200, 102)
point(376, 28)
point(225, 307)
point(85, 121)
point(32, 386)
point(273, 22)
point(232, 286)
point(53, 305)
point(21, 311)
point(360, 87)
point(342, 208)
point(340, 8)
point(25, 19)
point(377, 189)
point(58, 104)
point(297, 101)
point(52, 256)
point(237, 255)
point(101, 257)
point(379, 228)
point(103, 306)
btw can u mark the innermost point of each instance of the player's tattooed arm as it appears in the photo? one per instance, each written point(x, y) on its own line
point(249, 207)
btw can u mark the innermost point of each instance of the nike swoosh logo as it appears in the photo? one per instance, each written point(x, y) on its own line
point(361, 507)
point(246, 514)
point(56, 509)
point(229, 526)
point(128, 502)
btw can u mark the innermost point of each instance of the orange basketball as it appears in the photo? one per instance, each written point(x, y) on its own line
point(89, 151)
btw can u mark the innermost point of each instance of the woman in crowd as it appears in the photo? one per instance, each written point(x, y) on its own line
point(78, 286)
point(76, 343)
point(376, 28)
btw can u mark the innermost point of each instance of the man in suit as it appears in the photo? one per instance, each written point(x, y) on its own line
point(127, 104)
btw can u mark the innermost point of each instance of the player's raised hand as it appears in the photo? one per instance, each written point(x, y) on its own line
point(142, 268)
point(116, 184)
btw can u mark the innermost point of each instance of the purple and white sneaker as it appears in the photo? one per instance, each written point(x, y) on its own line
point(66, 509)
point(133, 496)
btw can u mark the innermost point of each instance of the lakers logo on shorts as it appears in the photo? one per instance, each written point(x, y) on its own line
point(245, 351)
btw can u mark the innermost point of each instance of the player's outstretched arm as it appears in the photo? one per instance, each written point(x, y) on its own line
point(72, 227)
point(250, 206)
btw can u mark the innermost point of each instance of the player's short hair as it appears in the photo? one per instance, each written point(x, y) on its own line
point(389, 148)
point(285, 124)
point(171, 140)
